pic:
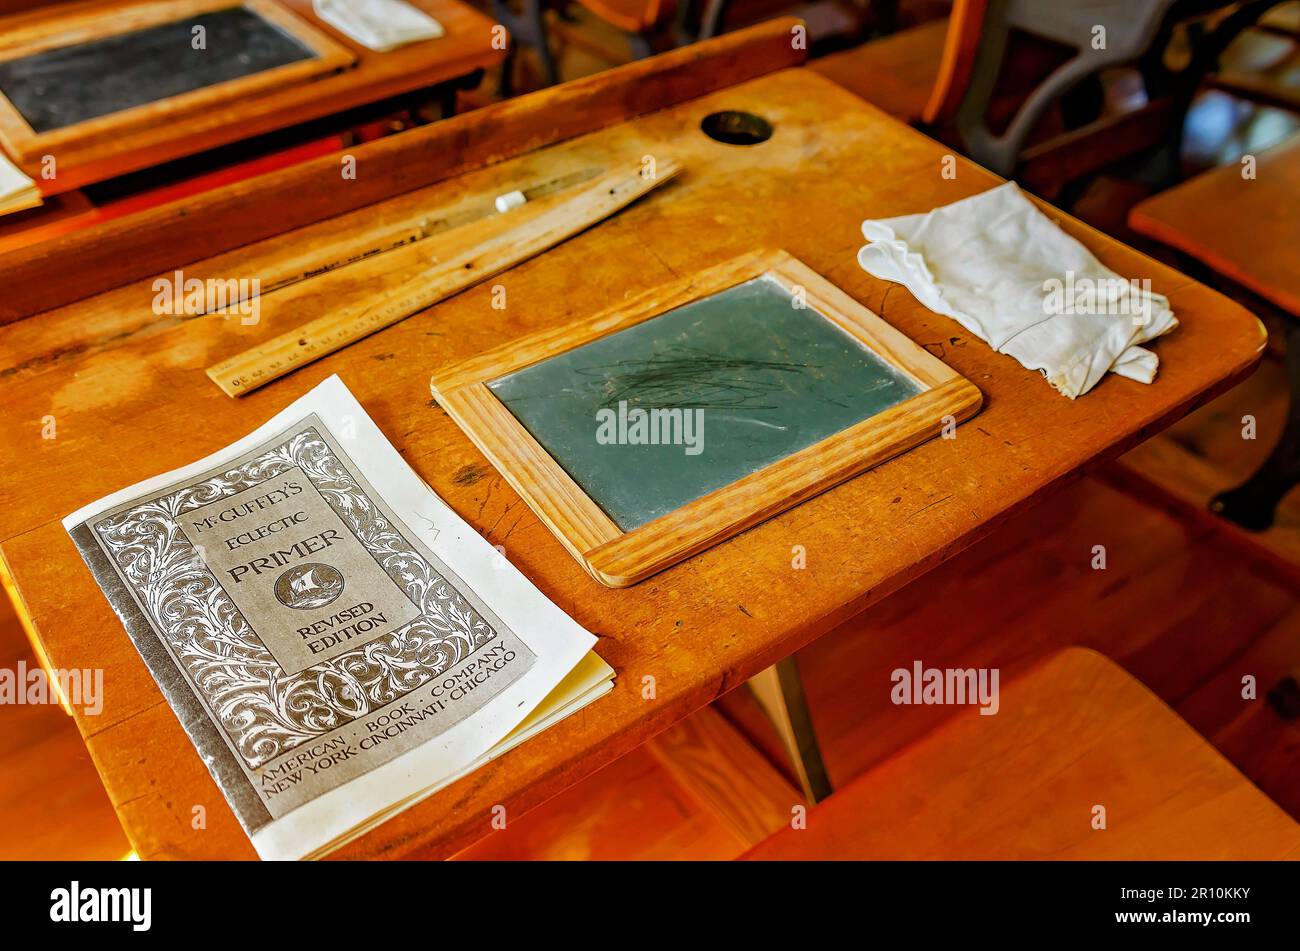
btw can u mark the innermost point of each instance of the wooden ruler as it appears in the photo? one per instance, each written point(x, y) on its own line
point(307, 263)
point(462, 258)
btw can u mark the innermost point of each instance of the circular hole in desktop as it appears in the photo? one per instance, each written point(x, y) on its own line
point(736, 128)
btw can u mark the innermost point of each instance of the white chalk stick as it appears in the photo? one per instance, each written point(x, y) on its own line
point(510, 200)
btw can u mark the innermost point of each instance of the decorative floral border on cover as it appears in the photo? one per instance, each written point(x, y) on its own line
point(264, 711)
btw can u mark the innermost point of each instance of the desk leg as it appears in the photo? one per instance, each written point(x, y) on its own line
point(527, 27)
point(1253, 504)
point(780, 692)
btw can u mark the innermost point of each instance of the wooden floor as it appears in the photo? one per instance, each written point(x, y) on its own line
point(1206, 453)
point(51, 802)
point(700, 790)
point(1175, 605)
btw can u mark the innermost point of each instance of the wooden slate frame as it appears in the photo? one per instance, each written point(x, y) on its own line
point(617, 558)
point(26, 144)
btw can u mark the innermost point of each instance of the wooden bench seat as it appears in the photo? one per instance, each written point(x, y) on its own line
point(1073, 734)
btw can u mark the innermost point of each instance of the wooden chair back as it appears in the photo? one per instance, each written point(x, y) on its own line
point(1099, 36)
point(960, 49)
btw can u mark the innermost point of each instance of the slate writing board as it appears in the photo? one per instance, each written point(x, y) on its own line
point(64, 86)
point(769, 377)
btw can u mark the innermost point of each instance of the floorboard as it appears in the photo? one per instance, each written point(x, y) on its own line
point(52, 804)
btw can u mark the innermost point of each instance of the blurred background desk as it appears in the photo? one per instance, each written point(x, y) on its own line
point(380, 92)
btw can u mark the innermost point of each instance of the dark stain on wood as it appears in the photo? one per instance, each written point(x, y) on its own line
point(469, 475)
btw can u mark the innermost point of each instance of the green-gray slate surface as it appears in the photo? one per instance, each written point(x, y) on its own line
point(657, 415)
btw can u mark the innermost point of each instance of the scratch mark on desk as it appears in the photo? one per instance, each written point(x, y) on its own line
point(929, 506)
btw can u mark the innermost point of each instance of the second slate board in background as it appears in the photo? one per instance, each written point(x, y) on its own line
point(61, 87)
point(76, 79)
point(747, 376)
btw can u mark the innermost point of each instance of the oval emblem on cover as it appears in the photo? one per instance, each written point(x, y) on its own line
point(306, 587)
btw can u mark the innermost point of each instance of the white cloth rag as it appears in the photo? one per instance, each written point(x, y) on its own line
point(381, 25)
point(1003, 270)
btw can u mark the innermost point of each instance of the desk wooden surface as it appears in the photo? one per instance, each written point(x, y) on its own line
point(466, 47)
point(1245, 228)
point(128, 397)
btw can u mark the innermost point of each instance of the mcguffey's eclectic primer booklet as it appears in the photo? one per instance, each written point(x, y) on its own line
point(336, 641)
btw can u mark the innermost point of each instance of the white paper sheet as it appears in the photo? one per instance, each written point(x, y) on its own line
point(380, 25)
point(227, 683)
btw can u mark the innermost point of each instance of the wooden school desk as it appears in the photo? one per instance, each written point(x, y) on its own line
point(455, 58)
point(128, 397)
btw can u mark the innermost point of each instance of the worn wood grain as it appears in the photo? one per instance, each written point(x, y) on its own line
point(444, 266)
point(728, 777)
point(896, 73)
point(52, 805)
point(635, 808)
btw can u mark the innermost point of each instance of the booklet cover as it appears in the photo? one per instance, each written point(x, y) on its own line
point(336, 641)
